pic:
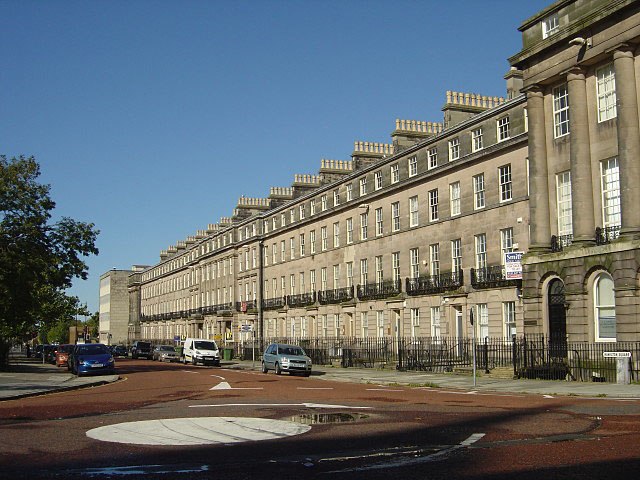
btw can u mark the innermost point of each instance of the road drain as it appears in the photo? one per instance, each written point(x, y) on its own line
point(319, 418)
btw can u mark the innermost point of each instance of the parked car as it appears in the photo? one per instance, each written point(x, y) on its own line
point(200, 350)
point(166, 353)
point(91, 358)
point(141, 349)
point(62, 354)
point(286, 358)
point(118, 350)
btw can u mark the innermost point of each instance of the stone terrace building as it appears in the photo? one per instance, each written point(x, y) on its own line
point(407, 239)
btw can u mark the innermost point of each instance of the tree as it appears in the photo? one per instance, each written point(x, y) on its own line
point(38, 258)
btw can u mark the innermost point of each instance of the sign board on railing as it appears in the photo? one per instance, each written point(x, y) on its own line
point(513, 265)
point(246, 328)
point(617, 354)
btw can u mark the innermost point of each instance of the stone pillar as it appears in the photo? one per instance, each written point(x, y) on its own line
point(538, 173)
point(628, 140)
point(580, 156)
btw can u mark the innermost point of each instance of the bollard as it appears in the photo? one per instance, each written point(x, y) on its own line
point(623, 366)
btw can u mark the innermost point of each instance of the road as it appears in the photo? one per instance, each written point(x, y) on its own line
point(171, 421)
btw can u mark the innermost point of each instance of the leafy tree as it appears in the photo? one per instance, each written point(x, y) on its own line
point(38, 258)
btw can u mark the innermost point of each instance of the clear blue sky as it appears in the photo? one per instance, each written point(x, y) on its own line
point(151, 118)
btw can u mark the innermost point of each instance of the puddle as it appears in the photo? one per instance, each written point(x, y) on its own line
point(320, 418)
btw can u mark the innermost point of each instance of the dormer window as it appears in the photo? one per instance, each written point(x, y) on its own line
point(550, 25)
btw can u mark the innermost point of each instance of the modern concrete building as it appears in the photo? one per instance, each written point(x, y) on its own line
point(522, 212)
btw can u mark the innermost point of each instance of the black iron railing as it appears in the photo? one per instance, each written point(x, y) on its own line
point(491, 277)
point(558, 242)
point(373, 291)
point(337, 295)
point(301, 300)
point(606, 235)
point(273, 303)
point(433, 284)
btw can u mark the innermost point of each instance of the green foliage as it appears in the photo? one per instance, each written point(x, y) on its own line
point(38, 258)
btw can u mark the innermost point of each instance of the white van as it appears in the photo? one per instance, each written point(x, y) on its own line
point(200, 350)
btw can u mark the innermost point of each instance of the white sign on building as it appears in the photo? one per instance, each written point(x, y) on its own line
point(513, 265)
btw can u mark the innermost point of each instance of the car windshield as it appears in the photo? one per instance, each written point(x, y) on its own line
point(290, 351)
point(167, 348)
point(205, 345)
point(91, 349)
point(65, 348)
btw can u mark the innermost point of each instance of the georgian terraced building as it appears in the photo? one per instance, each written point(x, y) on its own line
point(409, 238)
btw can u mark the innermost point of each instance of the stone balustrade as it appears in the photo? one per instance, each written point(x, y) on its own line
point(306, 179)
point(281, 192)
point(253, 202)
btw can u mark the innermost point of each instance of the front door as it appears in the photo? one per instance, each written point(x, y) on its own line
point(557, 319)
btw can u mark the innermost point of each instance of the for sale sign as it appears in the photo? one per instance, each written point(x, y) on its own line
point(513, 265)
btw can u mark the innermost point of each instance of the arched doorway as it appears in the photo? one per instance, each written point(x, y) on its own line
point(557, 319)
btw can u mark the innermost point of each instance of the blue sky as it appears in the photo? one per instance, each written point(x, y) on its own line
point(151, 118)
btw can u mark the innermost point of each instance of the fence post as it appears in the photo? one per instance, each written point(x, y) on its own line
point(486, 356)
point(514, 354)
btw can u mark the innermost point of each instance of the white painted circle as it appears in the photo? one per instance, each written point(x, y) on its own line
point(197, 431)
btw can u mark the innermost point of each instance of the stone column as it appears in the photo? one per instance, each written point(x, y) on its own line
point(580, 156)
point(540, 229)
point(628, 140)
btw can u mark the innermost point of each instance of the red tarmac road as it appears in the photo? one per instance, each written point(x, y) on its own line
point(356, 430)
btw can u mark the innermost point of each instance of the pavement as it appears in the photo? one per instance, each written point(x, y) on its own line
point(29, 376)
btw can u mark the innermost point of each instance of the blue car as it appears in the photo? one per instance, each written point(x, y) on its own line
point(91, 358)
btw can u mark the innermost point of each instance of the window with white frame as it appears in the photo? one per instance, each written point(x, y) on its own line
point(454, 195)
point(323, 279)
point(312, 280)
point(456, 256)
point(395, 216)
point(380, 323)
point(274, 225)
point(336, 277)
point(265, 229)
point(364, 220)
point(483, 320)
point(435, 322)
point(506, 193)
point(301, 212)
point(254, 259)
point(414, 257)
point(379, 270)
point(292, 215)
point(302, 247)
point(323, 203)
point(454, 149)
point(434, 259)
point(349, 192)
point(302, 286)
point(563, 201)
point(610, 185)
point(292, 284)
point(323, 239)
point(364, 266)
point(395, 173)
point(506, 242)
point(312, 206)
point(413, 166)
point(395, 264)
point(477, 142)
point(336, 235)
point(364, 322)
point(605, 308)
point(550, 25)
point(349, 230)
point(433, 205)
point(560, 111)
point(377, 180)
point(325, 326)
point(283, 250)
point(303, 327)
point(336, 197)
point(363, 186)
point(415, 322)
point(292, 248)
point(413, 211)
point(349, 274)
point(478, 191)
point(503, 128)
point(481, 251)
point(433, 157)
point(312, 242)
point(606, 92)
point(336, 324)
point(379, 222)
point(509, 317)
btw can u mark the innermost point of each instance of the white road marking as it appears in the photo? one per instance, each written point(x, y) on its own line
point(383, 390)
point(218, 376)
point(226, 386)
point(197, 431)
point(308, 405)
point(189, 371)
point(548, 396)
point(315, 388)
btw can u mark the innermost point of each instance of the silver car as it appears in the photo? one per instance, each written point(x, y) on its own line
point(165, 353)
point(281, 357)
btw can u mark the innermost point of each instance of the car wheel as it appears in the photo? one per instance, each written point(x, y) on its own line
point(184, 360)
point(278, 369)
point(306, 374)
point(194, 361)
point(264, 368)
